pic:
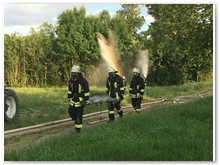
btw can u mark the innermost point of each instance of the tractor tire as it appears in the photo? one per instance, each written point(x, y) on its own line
point(10, 105)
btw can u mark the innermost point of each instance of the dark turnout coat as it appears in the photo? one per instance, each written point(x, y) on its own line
point(115, 86)
point(78, 89)
point(136, 87)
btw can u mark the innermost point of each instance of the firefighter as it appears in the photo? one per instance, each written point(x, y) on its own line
point(136, 90)
point(78, 96)
point(115, 89)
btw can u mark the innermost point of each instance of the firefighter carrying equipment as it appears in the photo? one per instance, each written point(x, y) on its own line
point(78, 96)
point(78, 89)
point(115, 87)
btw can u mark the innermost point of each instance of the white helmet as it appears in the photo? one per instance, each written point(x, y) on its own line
point(76, 69)
point(136, 70)
point(110, 69)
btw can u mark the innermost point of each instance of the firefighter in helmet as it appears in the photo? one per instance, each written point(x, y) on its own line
point(136, 90)
point(115, 89)
point(78, 96)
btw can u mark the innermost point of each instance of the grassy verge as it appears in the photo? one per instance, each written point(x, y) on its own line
point(181, 132)
point(39, 105)
point(172, 91)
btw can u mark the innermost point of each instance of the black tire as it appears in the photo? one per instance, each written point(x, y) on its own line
point(10, 105)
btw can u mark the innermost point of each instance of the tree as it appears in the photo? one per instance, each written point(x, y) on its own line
point(131, 13)
point(76, 40)
point(46, 40)
point(180, 42)
point(125, 25)
point(13, 59)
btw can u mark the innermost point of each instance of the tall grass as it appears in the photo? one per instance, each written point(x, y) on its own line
point(175, 90)
point(39, 105)
point(168, 133)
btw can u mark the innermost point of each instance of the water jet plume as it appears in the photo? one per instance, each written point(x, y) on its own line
point(108, 53)
point(143, 62)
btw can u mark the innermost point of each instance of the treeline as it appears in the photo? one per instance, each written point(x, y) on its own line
point(179, 43)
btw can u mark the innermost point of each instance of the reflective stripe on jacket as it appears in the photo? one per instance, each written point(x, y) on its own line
point(78, 91)
point(115, 87)
point(136, 87)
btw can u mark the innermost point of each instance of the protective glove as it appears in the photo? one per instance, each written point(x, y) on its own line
point(87, 102)
point(84, 103)
point(141, 97)
point(71, 102)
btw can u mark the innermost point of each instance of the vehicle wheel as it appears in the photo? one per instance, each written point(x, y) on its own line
point(11, 105)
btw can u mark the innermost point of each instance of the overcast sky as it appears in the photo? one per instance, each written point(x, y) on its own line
point(21, 17)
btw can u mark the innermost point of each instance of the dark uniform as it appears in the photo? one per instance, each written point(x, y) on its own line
point(115, 89)
point(136, 91)
point(78, 95)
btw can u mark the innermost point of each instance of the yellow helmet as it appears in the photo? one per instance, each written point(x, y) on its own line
point(76, 69)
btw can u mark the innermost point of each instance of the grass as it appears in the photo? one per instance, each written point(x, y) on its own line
point(40, 105)
point(172, 91)
point(182, 132)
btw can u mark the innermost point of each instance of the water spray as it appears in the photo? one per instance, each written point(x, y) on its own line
point(108, 53)
point(143, 62)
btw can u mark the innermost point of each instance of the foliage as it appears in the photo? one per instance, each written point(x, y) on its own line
point(180, 42)
point(126, 25)
point(76, 40)
point(28, 60)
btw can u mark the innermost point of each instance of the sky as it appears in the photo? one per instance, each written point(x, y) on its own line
point(20, 17)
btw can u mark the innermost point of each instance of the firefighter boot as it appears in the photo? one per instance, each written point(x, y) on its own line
point(111, 117)
point(77, 130)
point(120, 113)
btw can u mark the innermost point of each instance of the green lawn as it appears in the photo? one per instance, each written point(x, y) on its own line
point(181, 132)
point(40, 105)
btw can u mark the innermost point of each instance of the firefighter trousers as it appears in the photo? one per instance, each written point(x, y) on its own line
point(136, 103)
point(76, 113)
point(111, 107)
